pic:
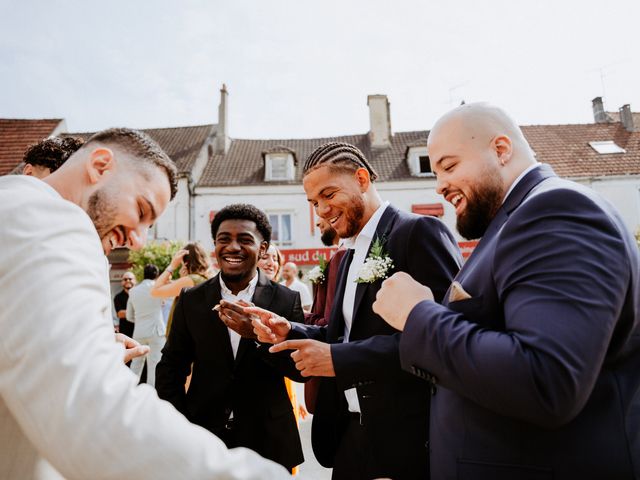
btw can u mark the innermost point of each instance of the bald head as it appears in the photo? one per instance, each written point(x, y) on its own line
point(289, 272)
point(477, 151)
point(477, 126)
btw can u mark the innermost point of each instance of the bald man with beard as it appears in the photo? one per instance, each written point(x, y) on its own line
point(536, 347)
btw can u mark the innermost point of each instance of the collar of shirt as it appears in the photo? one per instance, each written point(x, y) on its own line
point(363, 239)
point(245, 294)
point(520, 177)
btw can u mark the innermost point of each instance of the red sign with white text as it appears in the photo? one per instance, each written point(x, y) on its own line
point(307, 256)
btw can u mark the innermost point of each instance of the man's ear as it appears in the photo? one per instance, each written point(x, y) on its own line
point(504, 148)
point(27, 169)
point(101, 161)
point(362, 176)
point(264, 246)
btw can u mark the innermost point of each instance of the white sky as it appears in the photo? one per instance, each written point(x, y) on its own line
point(300, 68)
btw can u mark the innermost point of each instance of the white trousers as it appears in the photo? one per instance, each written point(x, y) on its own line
point(155, 344)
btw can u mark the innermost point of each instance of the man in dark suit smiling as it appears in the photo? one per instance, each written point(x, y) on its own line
point(536, 349)
point(371, 418)
point(237, 389)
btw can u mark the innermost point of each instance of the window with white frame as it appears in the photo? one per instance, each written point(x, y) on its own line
point(278, 166)
point(418, 162)
point(281, 228)
point(607, 146)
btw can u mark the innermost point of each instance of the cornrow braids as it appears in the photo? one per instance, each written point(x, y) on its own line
point(338, 154)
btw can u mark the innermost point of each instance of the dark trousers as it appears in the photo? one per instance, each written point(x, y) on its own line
point(354, 459)
point(361, 456)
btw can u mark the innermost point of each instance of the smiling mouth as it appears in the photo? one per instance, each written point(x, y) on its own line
point(333, 220)
point(233, 260)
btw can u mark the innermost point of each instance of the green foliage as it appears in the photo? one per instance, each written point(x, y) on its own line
point(160, 254)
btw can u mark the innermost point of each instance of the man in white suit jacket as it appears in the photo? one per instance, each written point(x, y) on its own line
point(68, 405)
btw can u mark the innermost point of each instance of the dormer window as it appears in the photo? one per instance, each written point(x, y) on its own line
point(608, 146)
point(279, 164)
point(418, 161)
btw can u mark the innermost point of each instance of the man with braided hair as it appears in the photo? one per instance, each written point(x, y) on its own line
point(371, 418)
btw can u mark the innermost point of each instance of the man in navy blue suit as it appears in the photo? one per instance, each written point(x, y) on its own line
point(535, 350)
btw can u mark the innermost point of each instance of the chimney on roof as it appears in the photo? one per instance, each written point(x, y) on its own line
point(599, 115)
point(379, 121)
point(626, 117)
point(222, 133)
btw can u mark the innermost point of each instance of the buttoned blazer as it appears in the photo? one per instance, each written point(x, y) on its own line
point(251, 385)
point(394, 404)
point(539, 369)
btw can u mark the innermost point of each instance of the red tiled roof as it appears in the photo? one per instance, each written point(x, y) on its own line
point(182, 144)
point(565, 147)
point(243, 164)
point(16, 135)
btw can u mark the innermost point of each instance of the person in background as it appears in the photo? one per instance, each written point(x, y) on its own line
point(45, 157)
point(324, 294)
point(195, 268)
point(291, 280)
point(145, 312)
point(120, 300)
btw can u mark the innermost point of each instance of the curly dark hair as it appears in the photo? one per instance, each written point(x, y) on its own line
point(243, 211)
point(140, 146)
point(52, 152)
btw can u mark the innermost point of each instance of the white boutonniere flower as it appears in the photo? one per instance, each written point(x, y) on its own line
point(377, 264)
point(316, 274)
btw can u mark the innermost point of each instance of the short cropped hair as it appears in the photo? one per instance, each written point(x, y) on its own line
point(140, 146)
point(52, 152)
point(243, 211)
point(150, 272)
point(340, 157)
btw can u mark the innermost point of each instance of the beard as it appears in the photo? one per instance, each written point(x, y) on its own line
point(482, 205)
point(353, 217)
point(102, 212)
point(328, 237)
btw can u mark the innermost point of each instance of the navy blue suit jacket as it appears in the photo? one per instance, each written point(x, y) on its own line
point(539, 370)
point(394, 404)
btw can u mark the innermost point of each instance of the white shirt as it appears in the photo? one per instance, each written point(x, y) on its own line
point(247, 296)
point(145, 311)
point(360, 245)
point(520, 177)
point(301, 288)
point(65, 393)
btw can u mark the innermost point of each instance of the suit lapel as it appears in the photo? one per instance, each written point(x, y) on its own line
point(262, 297)
point(515, 198)
point(382, 232)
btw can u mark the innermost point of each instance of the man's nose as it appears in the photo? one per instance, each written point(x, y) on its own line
point(440, 186)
